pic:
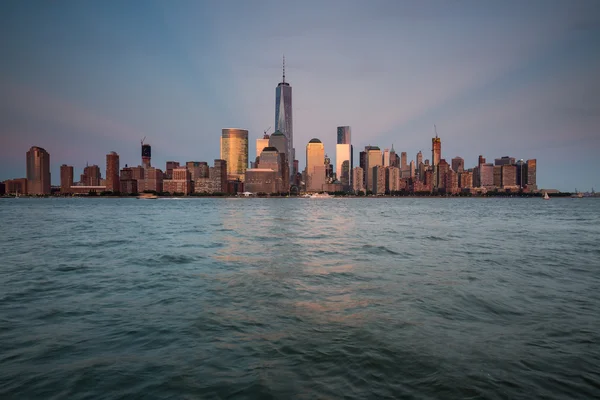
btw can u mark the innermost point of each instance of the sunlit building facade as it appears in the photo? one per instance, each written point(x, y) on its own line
point(234, 150)
point(315, 165)
point(358, 179)
point(373, 159)
point(112, 172)
point(66, 178)
point(283, 115)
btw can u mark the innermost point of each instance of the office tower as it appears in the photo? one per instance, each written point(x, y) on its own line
point(392, 177)
point(506, 160)
point(436, 153)
point(458, 164)
point(261, 180)
point(38, 171)
point(412, 169)
point(497, 176)
point(261, 143)
point(509, 176)
point(66, 178)
point(465, 179)
point(279, 142)
point(315, 165)
point(443, 168)
point(112, 172)
point(328, 168)
point(91, 176)
point(146, 154)
point(343, 157)
point(419, 158)
point(170, 165)
point(521, 173)
point(128, 185)
point(234, 150)
point(275, 160)
point(386, 158)
point(195, 168)
point(358, 179)
point(378, 179)
point(362, 162)
point(215, 182)
point(403, 161)
point(181, 183)
point(531, 174)
point(373, 159)
point(481, 160)
point(283, 115)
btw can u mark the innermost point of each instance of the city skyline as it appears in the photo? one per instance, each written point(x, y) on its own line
point(527, 92)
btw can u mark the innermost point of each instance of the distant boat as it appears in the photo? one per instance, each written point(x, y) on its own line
point(321, 196)
point(147, 196)
point(17, 194)
point(546, 197)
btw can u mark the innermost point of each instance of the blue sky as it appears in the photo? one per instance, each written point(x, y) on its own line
point(518, 78)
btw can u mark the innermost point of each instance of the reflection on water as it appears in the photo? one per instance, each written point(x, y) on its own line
point(288, 298)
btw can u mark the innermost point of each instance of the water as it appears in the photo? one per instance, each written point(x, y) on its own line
point(299, 298)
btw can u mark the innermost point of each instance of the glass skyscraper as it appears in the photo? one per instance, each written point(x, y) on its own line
point(283, 116)
point(234, 150)
point(343, 157)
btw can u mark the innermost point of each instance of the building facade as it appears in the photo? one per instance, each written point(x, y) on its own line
point(315, 165)
point(234, 150)
point(38, 171)
point(112, 172)
point(66, 178)
point(283, 115)
point(458, 164)
point(358, 179)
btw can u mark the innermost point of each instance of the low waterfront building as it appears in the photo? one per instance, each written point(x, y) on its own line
point(16, 186)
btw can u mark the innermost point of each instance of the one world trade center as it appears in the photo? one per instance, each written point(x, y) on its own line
point(283, 117)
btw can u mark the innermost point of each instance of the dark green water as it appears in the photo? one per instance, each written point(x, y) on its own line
point(299, 298)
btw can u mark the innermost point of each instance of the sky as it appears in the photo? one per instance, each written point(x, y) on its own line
point(497, 78)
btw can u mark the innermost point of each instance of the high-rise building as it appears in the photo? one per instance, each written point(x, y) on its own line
point(403, 161)
point(373, 159)
point(419, 158)
point(393, 156)
point(261, 143)
point(465, 179)
point(153, 180)
point(66, 178)
point(412, 169)
point(436, 154)
point(112, 172)
point(343, 157)
point(506, 160)
point(146, 155)
point(509, 176)
point(486, 174)
point(358, 179)
point(181, 183)
point(283, 115)
point(392, 178)
point(451, 181)
point(443, 168)
point(171, 165)
point(362, 163)
point(234, 150)
point(315, 165)
point(458, 164)
point(498, 176)
point(91, 176)
point(344, 135)
point(386, 158)
point(532, 174)
point(378, 179)
point(38, 171)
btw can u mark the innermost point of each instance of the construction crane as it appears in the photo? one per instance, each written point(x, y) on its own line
point(144, 138)
point(435, 130)
point(267, 130)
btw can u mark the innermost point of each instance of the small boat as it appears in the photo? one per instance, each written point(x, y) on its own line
point(321, 196)
point(147, 196)
point(546, 197)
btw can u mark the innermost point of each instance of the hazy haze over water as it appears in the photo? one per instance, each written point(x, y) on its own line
point(299, 298)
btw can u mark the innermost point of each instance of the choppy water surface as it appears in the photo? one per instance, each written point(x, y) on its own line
point(300, 298)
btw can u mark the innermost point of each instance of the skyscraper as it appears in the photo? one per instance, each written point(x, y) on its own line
point(343, 157)
point(38, 171)
point(283, 115)
point(458, 164)
point(66, 178)
point(234, 150)
point(436, 153)
point(419, 158)
point(112, 172)
point(373, 159)
point(146, 154)
point(315, 165)
point(386, 158)
point(261, 143)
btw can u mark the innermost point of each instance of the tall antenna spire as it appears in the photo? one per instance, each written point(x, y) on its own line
point(284, 68)
point(435, 129)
